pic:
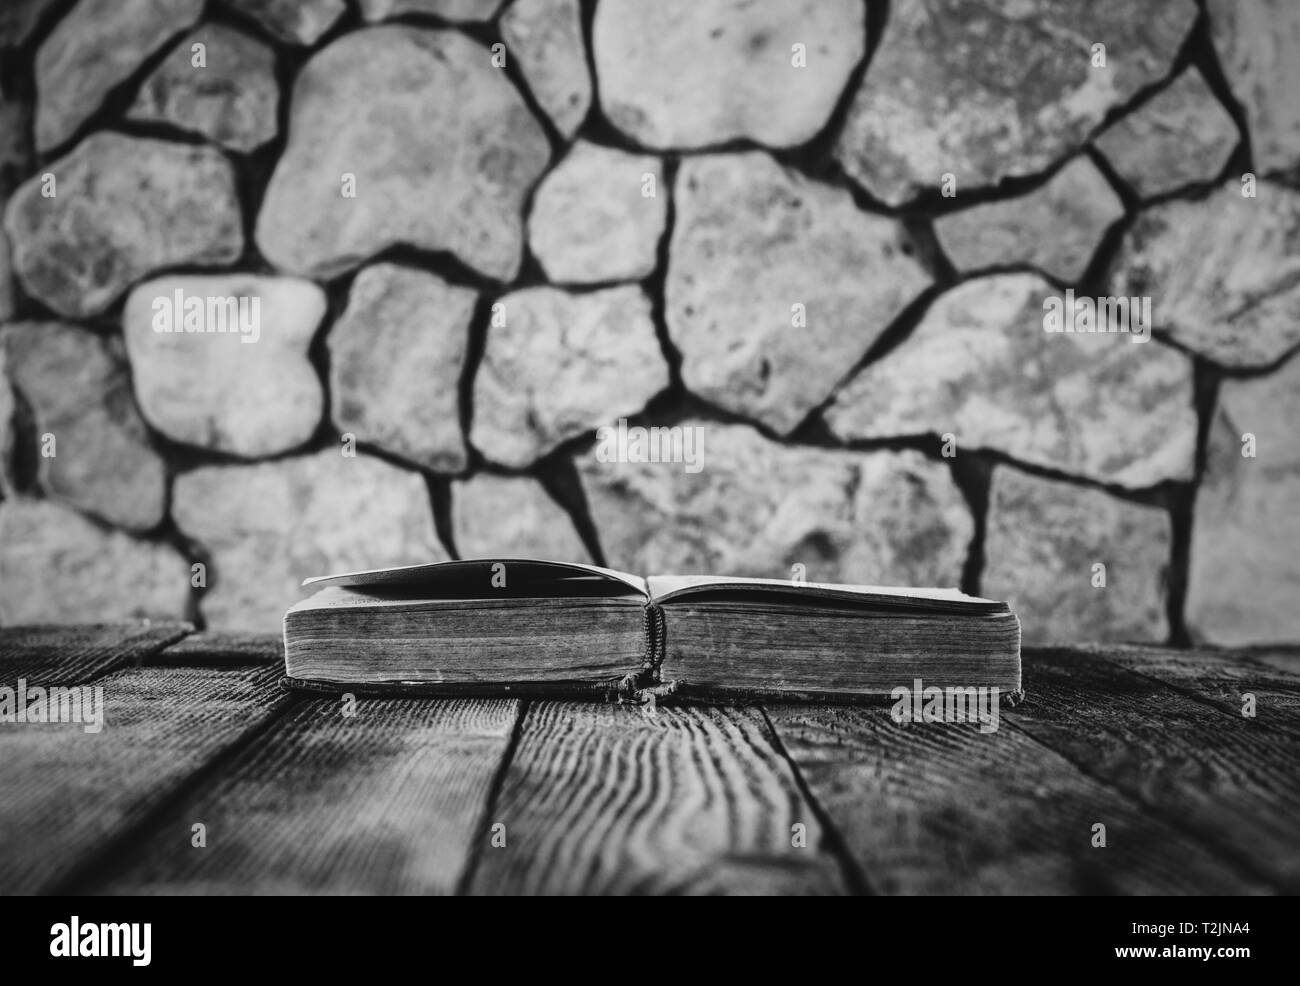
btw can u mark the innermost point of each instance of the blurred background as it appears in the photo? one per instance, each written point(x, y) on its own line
point(298, 287)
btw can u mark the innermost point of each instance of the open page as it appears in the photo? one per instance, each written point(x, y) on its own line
point(666, 588)
point(489, 578)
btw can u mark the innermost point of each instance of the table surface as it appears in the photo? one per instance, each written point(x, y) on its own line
point(289, 793)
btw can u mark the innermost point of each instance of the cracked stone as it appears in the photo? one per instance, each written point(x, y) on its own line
point(777, 285)
point(599, 191)
point(249, 390)
point(1045, 537)
point(688, 74)
point(78, 387)
point(758, 508)
point(16, 161)
point(1180, 137)
point(7, 300)
point(268, 525)
point(1258, 42)
point(456, 11)
point(19, 18)
point(1244, 578)
point(990, 91)
point(440, 145)
point(511, 517)
point(295, 22)
point(232, 99)
point(1223, 273)
point(981, 367)
point(58, 566)
point(94, 48)
point(124, 207)
point(546, 37)
point(1056, 227)
point(561, 365)
point(396, 356)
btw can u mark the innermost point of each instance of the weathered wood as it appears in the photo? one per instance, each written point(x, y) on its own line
point(1231, 781)
point(223, 648)
point(603, 799)
point(69, 794)
point(1222, 678)
point(1282, 658)
point(68, 655)
point(935, 808)
point(386, 801)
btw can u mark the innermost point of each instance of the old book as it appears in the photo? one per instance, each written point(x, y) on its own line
point(523, 626)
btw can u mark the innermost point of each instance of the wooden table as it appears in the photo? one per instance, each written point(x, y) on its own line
point(515, 796)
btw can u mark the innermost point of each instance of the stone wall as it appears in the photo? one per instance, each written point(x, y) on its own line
point(294, 287)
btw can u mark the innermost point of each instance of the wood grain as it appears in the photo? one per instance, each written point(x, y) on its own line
point(1231, 781)
point(386, 801)
point(68, 655)
point(222, 648)
point(1222, 678)
point(69, 794)
point(935, 808)
point(603, 799)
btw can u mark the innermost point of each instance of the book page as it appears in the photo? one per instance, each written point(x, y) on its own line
point(665, 588)
point(489, 577)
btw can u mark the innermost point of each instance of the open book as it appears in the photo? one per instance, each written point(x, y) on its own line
point(519, 626)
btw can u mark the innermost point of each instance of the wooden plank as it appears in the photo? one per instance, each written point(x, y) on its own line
point(388, 801)
point(1231, 781)
point(1222, 678)
point(939, 808)
point(69, 794)
point(607, 799)
point(51, 656)
point(222, 648)
point(1286, 659)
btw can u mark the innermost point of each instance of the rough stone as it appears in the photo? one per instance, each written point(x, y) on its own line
point(295, 22)
point(8, 302)
point(456, 11)
point(1056, 227)
point(91, 50)
point(590, 219)
point(16, 160)
point(124, 207)
point(19, 18)
point(269, 525)
point(1245, 574)
point(57, 566)
point(989, 91)
point(1223, 273)
point(757, 508)
point(441, 145)
point(753, 241)
point(396, 356)
point(511, 517)
point(1043, 539)
point(1181, 136)
point(546, 38)
point(214, 388)
point(79, 390)
point(691, 73)
point(232, 99)
point(561, 365)
point(1258, 42)
point(981, 367)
